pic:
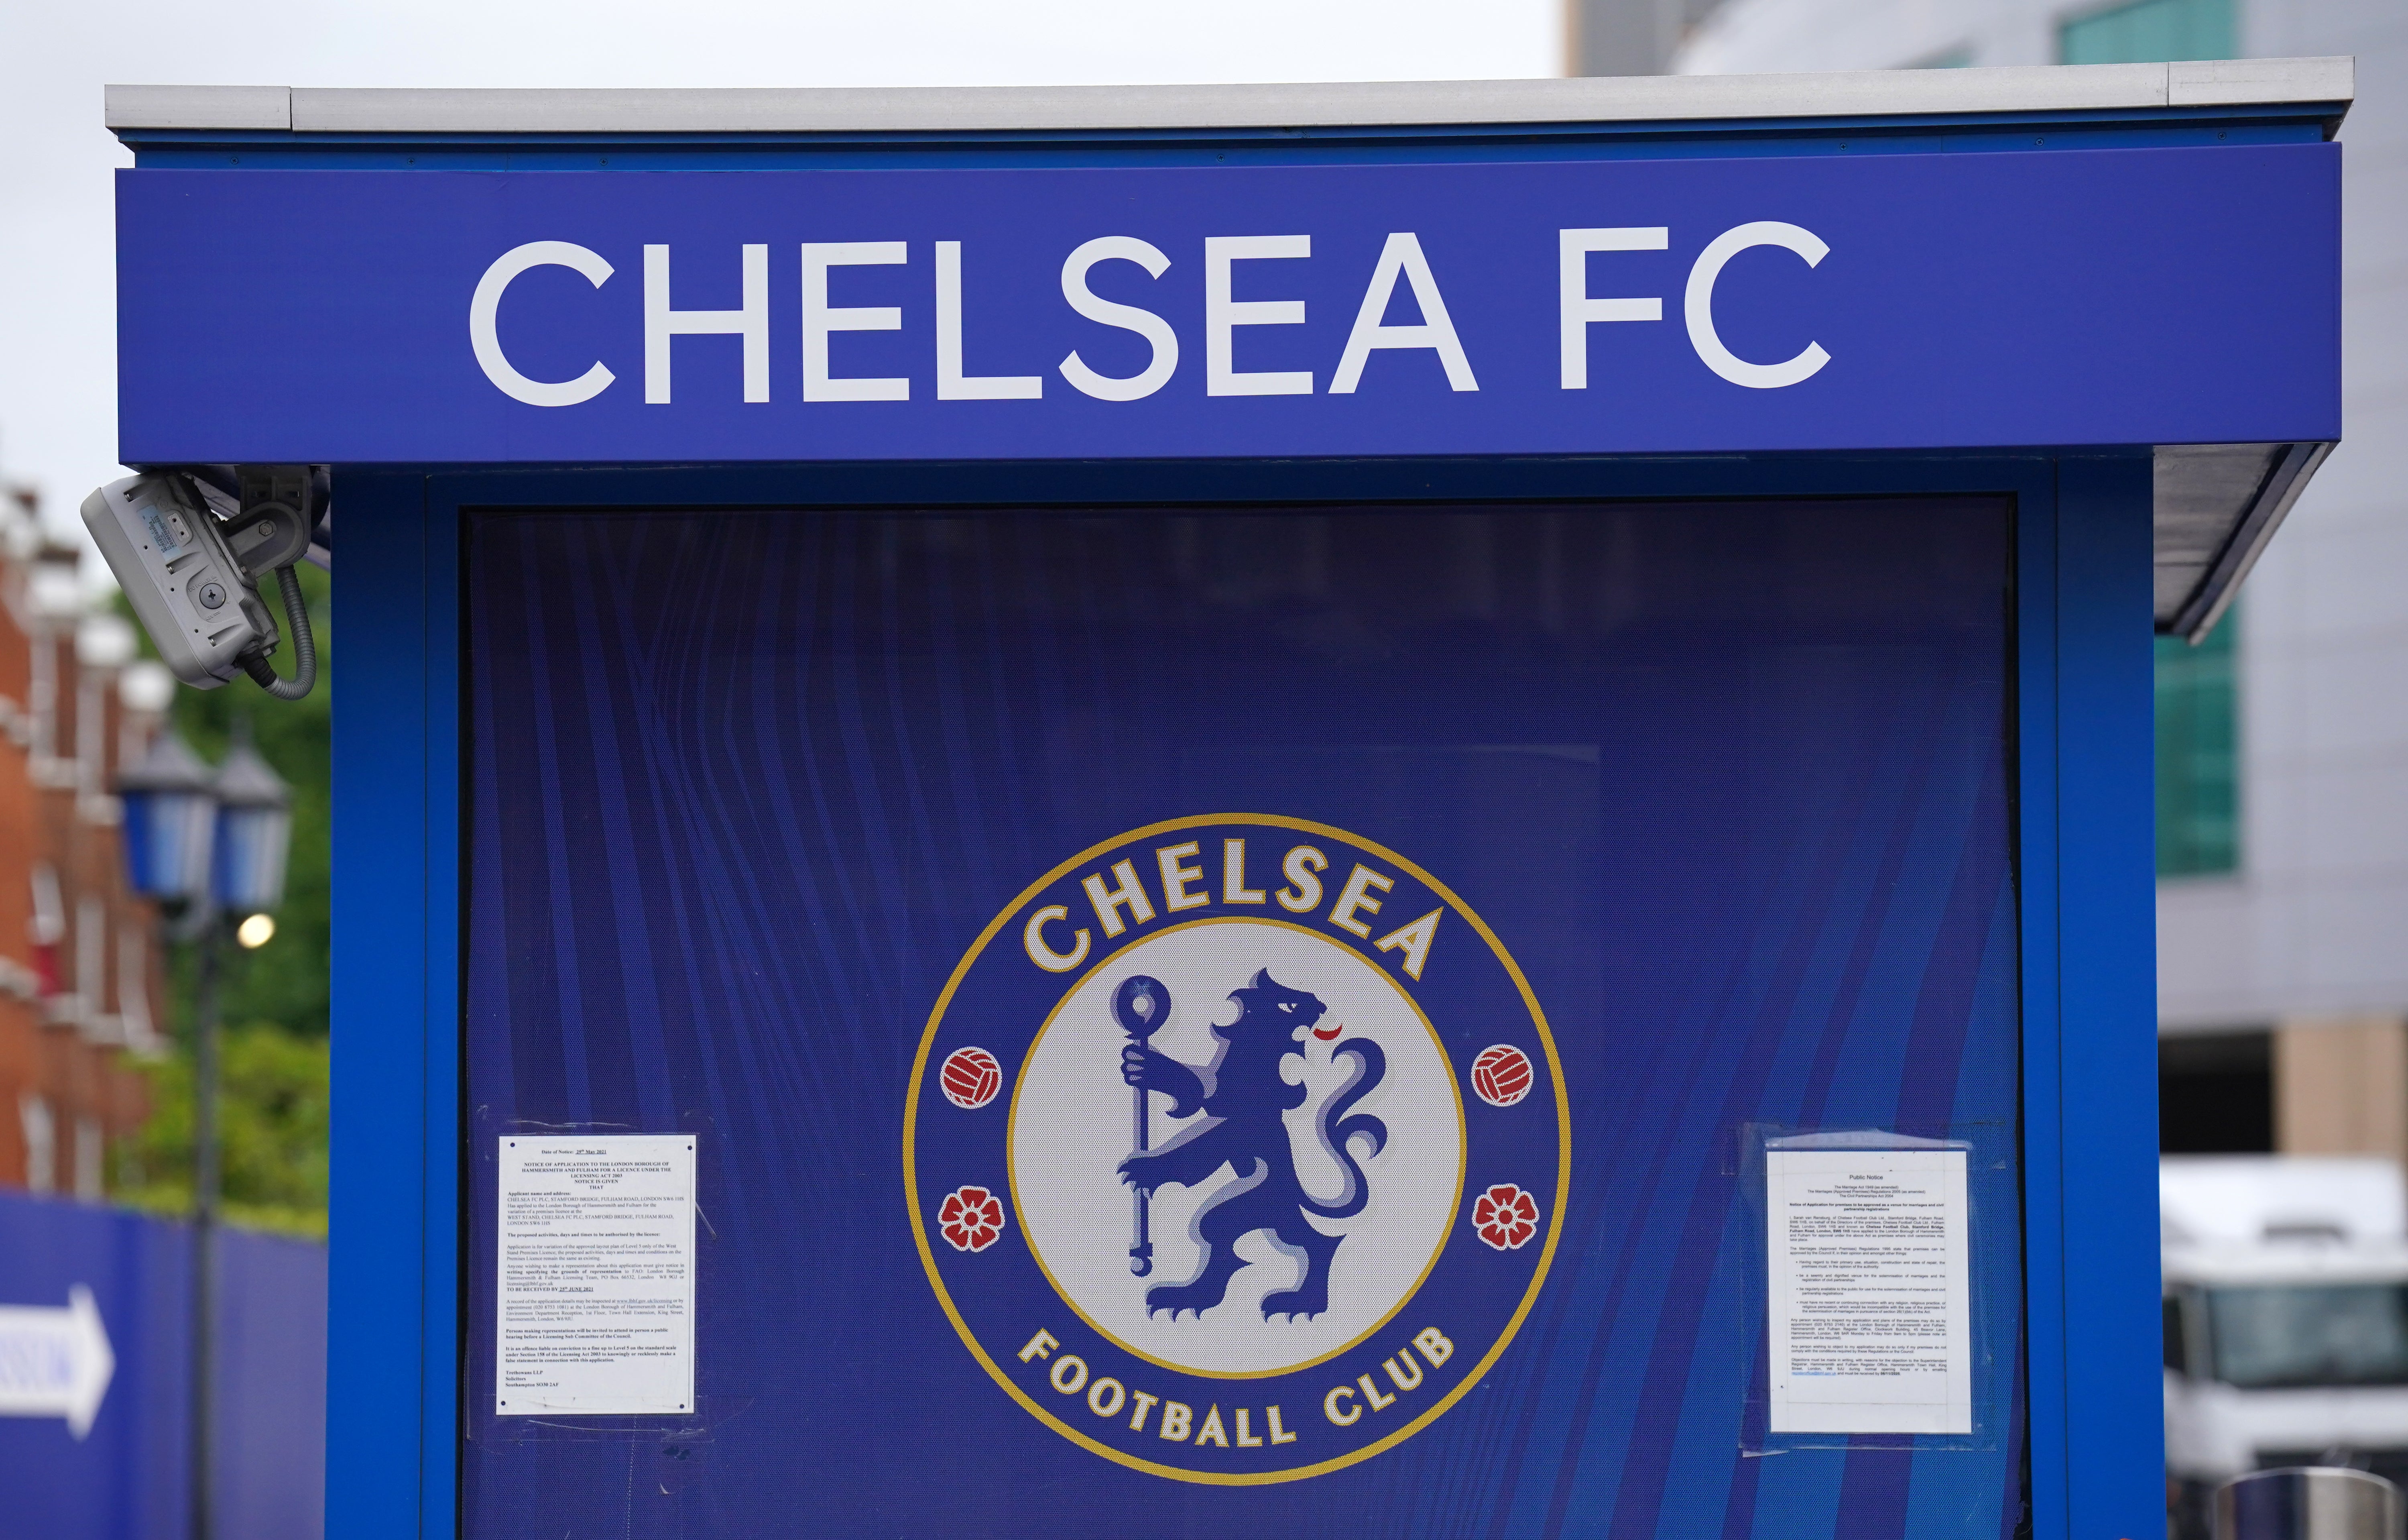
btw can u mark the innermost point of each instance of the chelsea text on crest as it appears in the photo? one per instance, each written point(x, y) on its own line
point(1118, 899)
point(815, 274)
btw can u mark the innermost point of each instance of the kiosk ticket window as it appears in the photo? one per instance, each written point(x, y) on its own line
point(1316, 813)
point(1479, 891)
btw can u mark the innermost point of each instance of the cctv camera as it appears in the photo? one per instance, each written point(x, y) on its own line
point(194, 579)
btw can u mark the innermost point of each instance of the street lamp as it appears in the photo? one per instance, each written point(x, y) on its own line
point(169, 823)
point(254, 830)
point(206, 844)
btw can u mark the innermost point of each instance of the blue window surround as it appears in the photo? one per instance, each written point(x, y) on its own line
point(2083, 640)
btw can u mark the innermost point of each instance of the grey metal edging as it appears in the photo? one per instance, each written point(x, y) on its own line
point(2222, 580)
point(1362, 104)
point(198, 107)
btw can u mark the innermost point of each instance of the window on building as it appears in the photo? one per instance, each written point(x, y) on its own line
point(47, 925)
point(2215, 1093)
point(2147, 31)
point(134, 990)
point(2199, 782)
point(91, 952)
point(90, 1151)
point(33, 1120)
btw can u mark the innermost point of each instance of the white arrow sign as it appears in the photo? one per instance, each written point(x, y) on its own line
point(55, 1362)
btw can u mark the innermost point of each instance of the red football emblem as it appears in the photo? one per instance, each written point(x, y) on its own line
point(971, 1218)
point(1501, 1074)
point(971, 1078)
point(1505, 1216)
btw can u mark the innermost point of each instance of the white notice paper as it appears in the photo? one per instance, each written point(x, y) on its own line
point(1868, 1326)
point(594, 1291)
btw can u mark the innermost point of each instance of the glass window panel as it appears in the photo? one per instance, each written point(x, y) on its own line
point(2333, 1334)
point(2199, 789)
point(2148, 31)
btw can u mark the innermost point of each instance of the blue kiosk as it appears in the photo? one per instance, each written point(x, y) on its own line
point(1407, 810)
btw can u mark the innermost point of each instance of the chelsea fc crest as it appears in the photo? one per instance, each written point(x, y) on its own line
point(1237, 1149)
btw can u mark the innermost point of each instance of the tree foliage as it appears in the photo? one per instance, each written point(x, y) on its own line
point(272, 1128)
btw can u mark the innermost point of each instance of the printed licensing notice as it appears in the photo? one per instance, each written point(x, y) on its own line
point(594, 1287)
point(1869, 1325)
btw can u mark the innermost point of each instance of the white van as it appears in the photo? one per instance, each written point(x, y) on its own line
point(2285, 1319)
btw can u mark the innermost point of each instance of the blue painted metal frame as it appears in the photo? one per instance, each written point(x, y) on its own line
point(393, 1285)
point(2081, 614)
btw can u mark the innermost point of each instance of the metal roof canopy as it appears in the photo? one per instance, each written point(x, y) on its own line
point(915, 109)
point(2217, 505)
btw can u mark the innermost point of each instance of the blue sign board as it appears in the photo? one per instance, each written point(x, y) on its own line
point(1879, 301)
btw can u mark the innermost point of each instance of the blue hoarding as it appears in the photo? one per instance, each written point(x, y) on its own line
point(125, 1473)
point(1875, 301)
point(1320, 969)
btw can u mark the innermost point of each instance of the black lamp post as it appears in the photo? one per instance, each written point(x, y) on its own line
point(169, 825)
point(205, 845)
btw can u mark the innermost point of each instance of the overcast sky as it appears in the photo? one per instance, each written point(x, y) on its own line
point(58, 427)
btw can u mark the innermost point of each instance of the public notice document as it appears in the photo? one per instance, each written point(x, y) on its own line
point(1868, 1323)
point(594, 1287)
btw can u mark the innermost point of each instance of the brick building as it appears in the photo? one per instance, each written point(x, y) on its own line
point(80, 983)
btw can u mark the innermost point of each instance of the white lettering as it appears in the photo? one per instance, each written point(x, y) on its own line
point(1698, 305)
point(1032, 941)
point(1175, 877)
point(750, 322)
point(820, 318)
point(1356, 895)
point(1155, 330)
point(1223, 315)
point(1578, 310)
point(1144, 1404)
point(1108, 902)
point(1233, 875)
point(484, 310)
point(1416, 939)
point(1302, 895)
point(1402, 254)
point(951, 383)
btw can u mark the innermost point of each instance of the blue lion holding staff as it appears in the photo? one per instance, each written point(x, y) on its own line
point(1245, 1132)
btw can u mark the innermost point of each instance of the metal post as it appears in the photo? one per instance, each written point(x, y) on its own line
point(2308, 1503)
point(205, 1215)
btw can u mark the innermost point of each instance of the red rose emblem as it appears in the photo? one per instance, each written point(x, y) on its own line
point(971, 1218)
point(1505, 1216)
